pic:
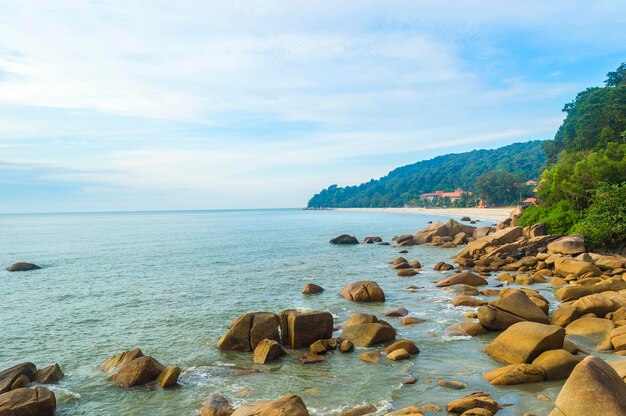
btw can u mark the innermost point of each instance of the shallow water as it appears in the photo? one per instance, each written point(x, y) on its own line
point(170, 283)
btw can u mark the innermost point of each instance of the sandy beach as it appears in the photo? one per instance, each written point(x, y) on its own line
point(493, 214)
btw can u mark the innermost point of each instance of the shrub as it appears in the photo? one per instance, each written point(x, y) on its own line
point(604, 222)
point(559, 218)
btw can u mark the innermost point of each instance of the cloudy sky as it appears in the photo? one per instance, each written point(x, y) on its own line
point(133, 105)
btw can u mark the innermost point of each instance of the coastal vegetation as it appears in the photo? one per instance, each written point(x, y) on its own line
point(583, 189)
point(503, 167)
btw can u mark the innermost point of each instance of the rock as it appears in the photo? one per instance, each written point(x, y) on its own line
point(20, 382)
point(596, 304)
point(618, 338)
point(480, 412)
point(399, 266)
point(593, 389)
point(411, 320)
point(138, 372)
point(513, 308)
point(312, 289)
point(464, 290)
point(120, 359)
point(248, 330)
point(320, 346)
point(359, 411)
point(405, 344)
point(346, 346)
point(406, 273)
point(169, 376)
point(454, 385)
point(10, 375)
point(361, 318)
point(216, 405)
point(610, 262)
point(404, 240)
point(399, 354)
point(407, 411)
point(301, 328)
point(466, 328)
point(371, 357)
point(515, 374)
point(594, 333)
point(366, 335)
point(558, 364)
point(344, 239)
point(35, 401)
point(473, 401)
point(465, 300)
point(363, 291)
point(372, 240)
point(285, 406)
point(397, 312)
point(466, 278)
point(430, 408)
point(571, 244)
point(310, 358)
point(525, 341)
point(22, 266)
point(566, 266)
point(399, 260)
point(466, 219)
point(416, 264)
point(49, 375)
point(620, 368)
point(410, 380)
point(266, 351)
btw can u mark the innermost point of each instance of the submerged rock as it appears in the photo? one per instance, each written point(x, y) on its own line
point(473, 401)
point(372, 240)
point(464, 278)
point(359, 411)
point(515, 374)
point(366, 335)
point(312, 289)
point(121, 359)
point(405, 344)
point(291, 405)
point(49, 375)
point(22, 266)
point(266, 351)
point(169, 376)
point(216, 405)
point(344, 239)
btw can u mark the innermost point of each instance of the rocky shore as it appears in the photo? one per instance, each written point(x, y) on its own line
point(494, 273)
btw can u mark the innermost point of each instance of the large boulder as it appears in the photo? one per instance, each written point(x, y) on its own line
point(300, 328)
point(463, 278)
point(513, 308)
point(618, 338)
point(558, 364)
point(525, 341)
point(566, 266)
point(138, 372)
point(499, 238)
point(121, 359)
point(169, 376)
point(515, 374)
point(285, 406)
point(344, 239)
point(22, 266)
point(593, 389)
point(610, 262)
point(593, 333)
point(363, 291)
point(10, 375)
point(35, 401)
point(216, 405)
point(366, 335)
point(248, 330)
point(466, 328)
point(403, 344)
point(571, 244)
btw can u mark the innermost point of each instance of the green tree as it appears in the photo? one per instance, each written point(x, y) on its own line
point(497, 187)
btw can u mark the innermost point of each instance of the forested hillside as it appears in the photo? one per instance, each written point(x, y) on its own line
point(584, 188)
point(403, 185)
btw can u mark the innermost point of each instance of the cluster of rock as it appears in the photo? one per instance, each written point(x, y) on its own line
point(405, 269)
point(447, 235)
point(347, 239)
point(18, 399)
point(133, 368)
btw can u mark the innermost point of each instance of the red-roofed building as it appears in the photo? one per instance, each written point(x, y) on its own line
point(454, 196)
point(529, 201)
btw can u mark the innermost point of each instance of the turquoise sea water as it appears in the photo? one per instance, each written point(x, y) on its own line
point(171, 282)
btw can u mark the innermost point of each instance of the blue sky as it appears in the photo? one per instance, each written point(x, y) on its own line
point(140, 105)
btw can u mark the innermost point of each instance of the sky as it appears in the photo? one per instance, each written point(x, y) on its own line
point(155, 105)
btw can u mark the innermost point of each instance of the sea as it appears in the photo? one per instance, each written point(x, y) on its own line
point(171, 282)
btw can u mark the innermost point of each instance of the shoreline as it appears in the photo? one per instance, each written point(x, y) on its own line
point(488, 214)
